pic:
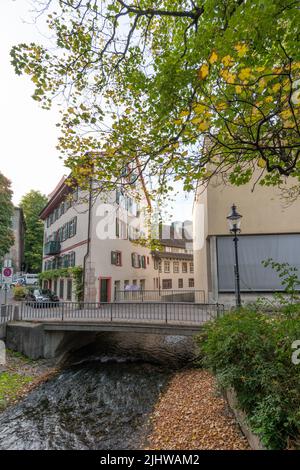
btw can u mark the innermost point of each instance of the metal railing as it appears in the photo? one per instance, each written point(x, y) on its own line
point(139, 312)
point(162, 295)
point(6, 313)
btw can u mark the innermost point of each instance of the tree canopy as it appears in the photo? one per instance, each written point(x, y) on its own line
point(32, 204)
point(172, 89)
point(6, 214)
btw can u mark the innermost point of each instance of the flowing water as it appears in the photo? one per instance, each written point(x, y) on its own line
point(102, 401)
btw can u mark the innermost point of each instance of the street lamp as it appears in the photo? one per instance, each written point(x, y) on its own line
point(234, 221)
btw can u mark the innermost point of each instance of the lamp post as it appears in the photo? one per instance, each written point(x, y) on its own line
point(234, 221)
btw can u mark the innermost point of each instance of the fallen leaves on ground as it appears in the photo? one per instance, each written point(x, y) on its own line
point(191, 415)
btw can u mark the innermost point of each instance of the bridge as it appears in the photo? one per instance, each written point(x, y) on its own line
point(40, 330)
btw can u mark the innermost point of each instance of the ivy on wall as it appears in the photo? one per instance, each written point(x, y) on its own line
point(76, 273)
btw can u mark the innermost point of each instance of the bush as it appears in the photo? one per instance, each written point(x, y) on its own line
point(19, 292)
point(252, 353)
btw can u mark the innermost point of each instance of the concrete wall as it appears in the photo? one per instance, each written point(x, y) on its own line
point(34, 342)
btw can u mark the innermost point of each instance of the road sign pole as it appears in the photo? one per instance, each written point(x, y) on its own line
point(5, 294)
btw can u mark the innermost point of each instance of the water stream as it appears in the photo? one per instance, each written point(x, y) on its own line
point(101, 401)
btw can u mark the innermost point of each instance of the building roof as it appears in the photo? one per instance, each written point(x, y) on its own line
point(55, 197)
point(170, 255)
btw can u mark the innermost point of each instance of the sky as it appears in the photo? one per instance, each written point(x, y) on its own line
point(28, 155)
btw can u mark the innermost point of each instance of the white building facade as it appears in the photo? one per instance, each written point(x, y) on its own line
point(101, 234)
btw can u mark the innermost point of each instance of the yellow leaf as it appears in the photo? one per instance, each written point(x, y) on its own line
point(276, 87)
point(184, 113)
point(228, 61)
point(269, 99)
point(199, 108)
point(241, 49)
point(203, 126)
point(261, 163)
point(245, 73)
point(287, 113)
point(213, 58)
point(229, 77)
point(238, 89)
point(203, 71)
point(177, 121)
point(221, 106)
point(196, 120)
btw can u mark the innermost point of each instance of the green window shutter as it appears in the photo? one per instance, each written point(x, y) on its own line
point(113, 257)
point(75, 225)
point(117, 227)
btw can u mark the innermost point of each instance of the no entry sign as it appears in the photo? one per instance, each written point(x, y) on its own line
point(7, 274)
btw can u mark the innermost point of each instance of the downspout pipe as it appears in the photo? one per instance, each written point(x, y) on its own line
point(88, 240)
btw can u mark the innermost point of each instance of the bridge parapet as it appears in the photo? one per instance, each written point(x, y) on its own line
point(137, 312)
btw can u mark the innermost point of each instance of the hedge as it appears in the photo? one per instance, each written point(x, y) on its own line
point(252, 352)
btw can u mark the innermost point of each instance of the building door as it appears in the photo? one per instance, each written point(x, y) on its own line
point(105, 285)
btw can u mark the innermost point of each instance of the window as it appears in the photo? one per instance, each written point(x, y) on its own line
point(61, 289)
point(55, 286)
point(176, 267)
point(116, 258)
point(191, 268)
point(253, 249)
point(180, 283)
point(143, 262)
point(60, 234)
point(72, 227)
point(72, 258)
point(167, 283)
point(69, 289)
point(75, 195)
point(156, 263)
point(133, 233)
point(68, 203)
point(117, 227)
point(159, 266)
point(167, 266)
point(62, 208)
point(135, 260)
point(184, 267)
point(65, 232)
point(191, 282)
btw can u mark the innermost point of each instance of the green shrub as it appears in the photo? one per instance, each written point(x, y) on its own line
point(19, 292)
point(252, 353)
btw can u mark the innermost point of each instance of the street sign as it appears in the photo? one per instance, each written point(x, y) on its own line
point(7, 275)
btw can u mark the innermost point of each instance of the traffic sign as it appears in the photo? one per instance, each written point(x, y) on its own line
point(7, 274)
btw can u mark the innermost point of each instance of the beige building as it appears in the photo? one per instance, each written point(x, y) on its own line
point(16, 252)
point(270, 228)
point(100, 235)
